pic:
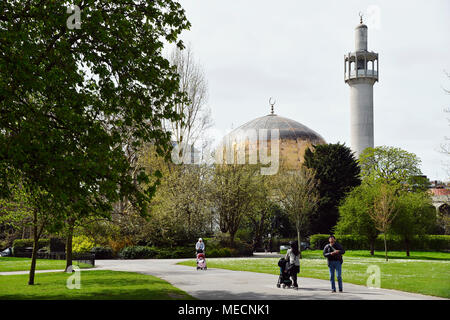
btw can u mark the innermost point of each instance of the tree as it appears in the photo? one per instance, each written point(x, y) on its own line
point(445, 147)
point(354, 215)
point(196, 116)
point(297, 192)
point(338, 173)
point(415, 215)
point(69, 98)
point(233, 191)
point(260, 214)
point(280, 225)
point(389, 165)
point(384, 211)
point(443, 216)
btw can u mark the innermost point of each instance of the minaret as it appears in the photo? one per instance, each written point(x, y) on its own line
point(361, 73)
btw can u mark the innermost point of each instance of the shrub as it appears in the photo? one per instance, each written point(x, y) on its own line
point(318, 241)
point(138, 252)
point(3, 244)
point(19, 244)
point(81, 244)
point(102, 252)
point(118, 245)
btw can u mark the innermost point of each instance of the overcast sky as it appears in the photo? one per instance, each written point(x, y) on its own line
point(293, 50)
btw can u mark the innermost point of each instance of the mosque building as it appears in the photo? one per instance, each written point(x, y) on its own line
point(360, 73)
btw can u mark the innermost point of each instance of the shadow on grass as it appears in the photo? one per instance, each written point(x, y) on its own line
point(125, 294)
point(95, 285)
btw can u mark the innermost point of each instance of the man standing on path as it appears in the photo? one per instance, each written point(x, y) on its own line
point(333, 252)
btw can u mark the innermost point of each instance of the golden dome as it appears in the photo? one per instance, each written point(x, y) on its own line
point(293, 138)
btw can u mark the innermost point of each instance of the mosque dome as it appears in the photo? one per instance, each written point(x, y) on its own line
point(293, 138)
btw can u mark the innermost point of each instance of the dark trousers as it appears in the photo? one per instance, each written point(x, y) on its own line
point(293, 272)
point(335, 267)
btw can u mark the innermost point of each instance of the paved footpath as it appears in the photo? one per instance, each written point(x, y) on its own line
point(220, 284)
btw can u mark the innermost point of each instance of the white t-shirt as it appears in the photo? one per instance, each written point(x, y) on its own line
point(292, 258)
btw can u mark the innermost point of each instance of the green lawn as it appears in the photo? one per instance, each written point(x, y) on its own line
point(414, 255)
point(95, 285)
point(424, 272)
point(23, 264)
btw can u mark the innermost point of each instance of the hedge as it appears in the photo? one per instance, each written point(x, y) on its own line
point(146, 252)
point(394, 242)
point(218, 247)
point(102, 252)
point(19, 244)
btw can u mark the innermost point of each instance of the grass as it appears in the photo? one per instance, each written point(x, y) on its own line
point(23, 264)
point(424, 272)
point(95, 285)
point(414, 255)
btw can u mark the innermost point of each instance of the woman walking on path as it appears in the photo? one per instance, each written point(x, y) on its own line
point(200, 246)
point(333, 252)
point(293, 257)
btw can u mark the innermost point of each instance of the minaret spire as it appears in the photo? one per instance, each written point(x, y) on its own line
point(361, 73)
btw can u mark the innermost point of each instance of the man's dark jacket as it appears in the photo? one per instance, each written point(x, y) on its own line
point(329, 249)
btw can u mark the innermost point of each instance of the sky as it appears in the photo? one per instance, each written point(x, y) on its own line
point(293, 51)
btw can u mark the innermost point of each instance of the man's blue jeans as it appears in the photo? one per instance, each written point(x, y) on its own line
point(335, 266)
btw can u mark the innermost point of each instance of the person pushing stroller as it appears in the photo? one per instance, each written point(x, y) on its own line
point(200, 254)
point(293, 257)
point(200, 246)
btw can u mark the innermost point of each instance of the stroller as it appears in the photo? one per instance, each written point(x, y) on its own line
point(201, 260)
point(284, 278)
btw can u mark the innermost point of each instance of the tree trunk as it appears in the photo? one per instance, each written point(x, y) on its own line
point(69, 245)
point(372, 247)
point(299, 246)
point(385, 247)
point(407, 246)
point(232, 239)
point(35, 249)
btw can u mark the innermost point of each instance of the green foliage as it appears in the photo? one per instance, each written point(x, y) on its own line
point(354, 212)
point(145, 252)
point(338, 172)
point(137, 252)
point(415, 214)
point(389, 164)
point(221, 246)
point(297, 192)
point(24, 243)
point(318, 241)
point(102, 252)
point(82, 244)
point(79, 100)
point(235, 191)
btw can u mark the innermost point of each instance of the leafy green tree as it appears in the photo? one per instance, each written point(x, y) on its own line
point(415, 215)
point(389, 164)
point(354, 215)
point(260, 215)
point(280, 224)
point(69, 97)
point(338, 173)
point(298, 194)
point(234, 189)
point(384, 210)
